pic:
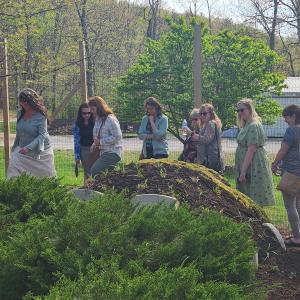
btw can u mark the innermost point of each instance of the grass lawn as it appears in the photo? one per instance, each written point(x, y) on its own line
point(64, 162)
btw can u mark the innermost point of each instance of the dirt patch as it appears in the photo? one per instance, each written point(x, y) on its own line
point(279, 271)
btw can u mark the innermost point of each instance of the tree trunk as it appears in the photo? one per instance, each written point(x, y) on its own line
point(152, 23)
point(84, 24)
point(298, 19)
point(272, 34)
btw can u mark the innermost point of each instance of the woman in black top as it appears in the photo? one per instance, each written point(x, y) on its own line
point(83, 138)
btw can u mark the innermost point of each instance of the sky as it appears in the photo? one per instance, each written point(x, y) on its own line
point(220, 8)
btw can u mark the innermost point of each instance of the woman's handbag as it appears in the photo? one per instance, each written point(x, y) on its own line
point(95, 153)
point(289, 184)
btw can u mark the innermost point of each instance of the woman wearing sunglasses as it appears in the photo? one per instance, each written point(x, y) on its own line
point(83, 138)
point(254, 177)
point(208, 138)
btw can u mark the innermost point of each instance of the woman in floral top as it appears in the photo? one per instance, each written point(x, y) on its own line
point(254, 177)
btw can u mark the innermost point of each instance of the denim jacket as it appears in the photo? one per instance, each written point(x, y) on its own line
point(32, 134)
point(159, 142)
point(76, 135)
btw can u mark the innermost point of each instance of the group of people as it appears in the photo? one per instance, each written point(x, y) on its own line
point(98, 146)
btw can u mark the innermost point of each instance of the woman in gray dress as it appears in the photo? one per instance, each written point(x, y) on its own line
point(208, 139)
point(32, 152)
point(289, 156)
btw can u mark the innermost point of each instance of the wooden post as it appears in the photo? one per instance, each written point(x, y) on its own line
point(197, 66)
point(5, 99)
point(83, 80)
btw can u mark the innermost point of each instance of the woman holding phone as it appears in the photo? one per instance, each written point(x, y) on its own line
point(153, 131)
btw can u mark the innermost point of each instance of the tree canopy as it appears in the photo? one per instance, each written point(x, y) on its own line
point(234, 66)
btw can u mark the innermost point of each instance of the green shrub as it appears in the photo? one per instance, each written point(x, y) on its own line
point(106, 249)
point(27, 197)
point(173, 284)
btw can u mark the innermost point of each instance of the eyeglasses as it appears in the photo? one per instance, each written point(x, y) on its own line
point(86, 113)
point(240, 110)
point(203, 113)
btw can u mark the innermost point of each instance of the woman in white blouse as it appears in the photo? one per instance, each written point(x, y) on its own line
point(107, 136)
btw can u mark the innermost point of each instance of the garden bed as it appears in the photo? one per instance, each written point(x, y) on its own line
point(189, 183)
point(202, 188)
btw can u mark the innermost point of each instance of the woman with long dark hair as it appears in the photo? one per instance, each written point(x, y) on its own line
point(83, 138)
point(107, 136)
point(32, 152)
point(153, 131)
point(289, 155)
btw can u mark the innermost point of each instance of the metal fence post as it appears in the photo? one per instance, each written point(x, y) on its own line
point(5, 99)
point(197, 66)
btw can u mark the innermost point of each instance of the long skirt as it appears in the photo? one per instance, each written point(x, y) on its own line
point(43, 166)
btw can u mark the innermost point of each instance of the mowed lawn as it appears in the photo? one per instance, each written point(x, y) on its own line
point(64, 162)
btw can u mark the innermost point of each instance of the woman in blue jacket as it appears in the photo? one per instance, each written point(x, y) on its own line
point(153, 131)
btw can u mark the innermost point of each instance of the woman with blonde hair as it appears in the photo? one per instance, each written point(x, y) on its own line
point(208, 138)
point(254, 177)
point(107, 136)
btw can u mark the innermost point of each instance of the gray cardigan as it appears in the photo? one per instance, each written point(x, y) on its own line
point(32, 134)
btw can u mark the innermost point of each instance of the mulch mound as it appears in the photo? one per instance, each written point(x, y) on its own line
point(202, 188)
point(190, 183)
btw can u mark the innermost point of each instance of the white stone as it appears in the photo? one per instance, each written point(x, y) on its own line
point(85, 194)
point(154, 199)
point(255, 261)
point(276, 233)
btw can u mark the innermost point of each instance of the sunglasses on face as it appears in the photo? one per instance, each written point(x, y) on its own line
point(240, 110)
point(86, 113)
point(204, 113)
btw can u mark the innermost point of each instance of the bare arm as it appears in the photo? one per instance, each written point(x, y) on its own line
point(280, 155)
point(247, 161)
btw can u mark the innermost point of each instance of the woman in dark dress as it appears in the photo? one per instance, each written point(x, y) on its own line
point(83, 138)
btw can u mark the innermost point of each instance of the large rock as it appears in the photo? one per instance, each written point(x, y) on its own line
point(154, 199)
point(86, 194)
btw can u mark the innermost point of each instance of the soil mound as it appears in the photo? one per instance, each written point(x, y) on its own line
point(202, 188)
point(194, 184)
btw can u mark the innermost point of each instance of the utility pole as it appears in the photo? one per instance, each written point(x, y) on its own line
point(197, 66)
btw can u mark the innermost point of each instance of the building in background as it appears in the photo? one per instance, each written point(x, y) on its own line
point(289, 95)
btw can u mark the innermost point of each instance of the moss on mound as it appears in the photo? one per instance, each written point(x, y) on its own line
point(194, 184)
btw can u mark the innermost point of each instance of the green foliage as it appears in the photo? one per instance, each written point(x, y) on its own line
point(25, 198)
point(234, 66)
point(107, 249)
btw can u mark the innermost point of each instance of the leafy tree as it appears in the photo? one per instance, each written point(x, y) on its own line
point(234, 66)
